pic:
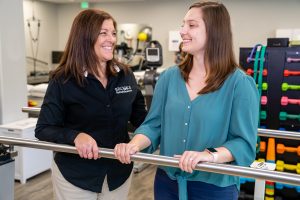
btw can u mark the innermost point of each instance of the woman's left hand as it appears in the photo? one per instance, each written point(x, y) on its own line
point(189, 159)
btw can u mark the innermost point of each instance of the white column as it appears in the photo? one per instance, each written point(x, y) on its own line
point(13, 91)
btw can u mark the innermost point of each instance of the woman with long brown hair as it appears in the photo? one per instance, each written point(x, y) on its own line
point(204, 110)
point(88, 103)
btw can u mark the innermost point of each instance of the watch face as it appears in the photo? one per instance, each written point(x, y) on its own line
point(212, 149)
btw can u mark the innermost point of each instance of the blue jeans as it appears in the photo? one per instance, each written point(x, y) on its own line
point(167, 189)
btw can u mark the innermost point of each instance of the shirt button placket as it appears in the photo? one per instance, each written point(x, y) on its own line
point(186, 123)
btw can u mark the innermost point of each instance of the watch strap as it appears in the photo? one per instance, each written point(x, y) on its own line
point(213, 152)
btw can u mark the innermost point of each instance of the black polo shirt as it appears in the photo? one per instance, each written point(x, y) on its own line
point(103, 113)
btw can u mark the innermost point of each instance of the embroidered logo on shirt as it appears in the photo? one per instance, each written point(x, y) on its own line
point(123, 89)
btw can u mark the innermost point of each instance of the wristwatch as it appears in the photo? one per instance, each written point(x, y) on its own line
point(213, 152)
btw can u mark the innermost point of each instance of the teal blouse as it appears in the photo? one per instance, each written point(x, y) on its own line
point(227, 117)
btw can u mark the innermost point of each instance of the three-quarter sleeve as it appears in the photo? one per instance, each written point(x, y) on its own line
point(243, 125)
point(50, 124)
point(151, 127)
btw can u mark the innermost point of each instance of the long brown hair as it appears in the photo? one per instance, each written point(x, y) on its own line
point(219, 55)
point(79, 54)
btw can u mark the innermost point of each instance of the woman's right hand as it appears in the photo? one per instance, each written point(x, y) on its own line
point(86, 146)
point(123, 151)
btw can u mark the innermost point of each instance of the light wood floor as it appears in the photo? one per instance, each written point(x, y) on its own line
point(40, 186)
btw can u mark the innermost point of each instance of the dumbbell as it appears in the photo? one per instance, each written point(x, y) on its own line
point(264, 86)
point(280, 186)
point(269, 198)
point(271, 151)
point(260, 160)
point(250, 72)
point(269, 188)
point(291, 73)
point(293, 59)
point(286, 86)
point(285, 101)
point(263, 114)
point(281, 166)
point(262, 146)
point(264, 100)
point(270, 184)
point(284, 116)
point(281, 149)
point(270, 191)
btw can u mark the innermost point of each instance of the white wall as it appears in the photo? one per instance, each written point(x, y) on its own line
point(253, 21)
point(66, 14)
point(12, 61)
point(162, 16)
point(48, 36)
point(256, 20)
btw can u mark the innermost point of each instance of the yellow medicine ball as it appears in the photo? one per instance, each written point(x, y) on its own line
point(142, 36)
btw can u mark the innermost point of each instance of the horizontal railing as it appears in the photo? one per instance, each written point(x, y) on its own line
point(234, 170)
point(261, 132)
point(31, 110)
point(279, 134)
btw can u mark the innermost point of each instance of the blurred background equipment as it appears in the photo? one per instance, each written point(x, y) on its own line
point(275, 68)
point(154, 59)
point(132, 41)
point(35, 75)
point(29, 161)
point(7, 166)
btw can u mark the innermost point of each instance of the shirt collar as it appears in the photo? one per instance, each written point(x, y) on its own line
point(86, 73)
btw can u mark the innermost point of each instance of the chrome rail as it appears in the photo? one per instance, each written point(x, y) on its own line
point(279, 134)
point(261, 132)
point(275, 176)
point(31, 110)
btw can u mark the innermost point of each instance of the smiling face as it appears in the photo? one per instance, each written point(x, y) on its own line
point(104, 46)
point(193, 32)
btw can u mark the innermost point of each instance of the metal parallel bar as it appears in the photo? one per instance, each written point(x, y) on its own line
point(279, 134)
point(31, 110)
point(261, 132)
point(275, 176)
